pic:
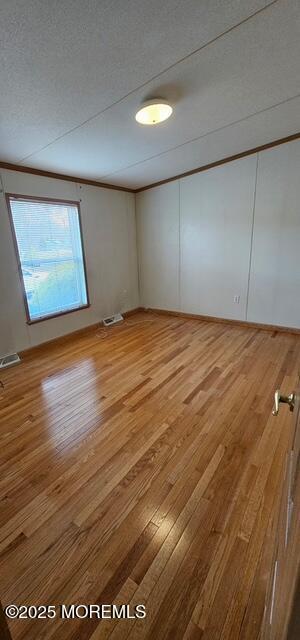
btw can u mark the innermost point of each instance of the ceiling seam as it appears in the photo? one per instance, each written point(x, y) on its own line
point(107, 185)
point(221, 161)
point(144, 84)
point(204, 135)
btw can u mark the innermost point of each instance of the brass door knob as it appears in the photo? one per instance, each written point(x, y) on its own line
point(278, 398)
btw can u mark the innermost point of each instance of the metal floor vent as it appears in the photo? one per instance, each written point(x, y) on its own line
point(7, 361)
point(113, 320)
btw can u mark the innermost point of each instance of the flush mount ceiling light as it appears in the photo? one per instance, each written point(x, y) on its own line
point(153, 112)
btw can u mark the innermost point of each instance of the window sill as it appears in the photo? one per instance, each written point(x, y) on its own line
point(58, 315)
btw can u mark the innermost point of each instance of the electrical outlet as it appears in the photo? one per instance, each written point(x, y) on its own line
point(236, 299)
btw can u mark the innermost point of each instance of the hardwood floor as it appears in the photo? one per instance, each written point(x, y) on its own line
point(141, 465)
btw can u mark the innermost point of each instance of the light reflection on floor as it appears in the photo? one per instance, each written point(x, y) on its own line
point(74, 392)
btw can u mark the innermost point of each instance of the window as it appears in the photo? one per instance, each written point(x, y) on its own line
point(50, 253)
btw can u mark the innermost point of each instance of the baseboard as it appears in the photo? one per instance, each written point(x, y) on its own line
point(132, 312)
point(167, 312)
point(78, 333)
point(237, 323)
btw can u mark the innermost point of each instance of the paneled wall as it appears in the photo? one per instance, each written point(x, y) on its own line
point(228, 238)
point(274, 293)
point(158, 246)
point(109, 236)
point(223, 243)
point(216, 212)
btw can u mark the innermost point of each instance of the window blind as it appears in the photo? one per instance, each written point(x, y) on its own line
point(48, 238)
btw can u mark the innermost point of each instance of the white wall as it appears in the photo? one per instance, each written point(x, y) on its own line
point(229, 231)
point(274, 293)
point(109, 237)
point(199, 246)
point(216, 211)
point(158, 244)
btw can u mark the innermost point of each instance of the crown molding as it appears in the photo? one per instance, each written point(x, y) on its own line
point(217, 163)
point(62, 176)
point(115, 187)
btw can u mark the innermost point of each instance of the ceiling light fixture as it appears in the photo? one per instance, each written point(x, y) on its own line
point(153, 112)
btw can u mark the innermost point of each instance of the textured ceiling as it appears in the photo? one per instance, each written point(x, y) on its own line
point(73, 74)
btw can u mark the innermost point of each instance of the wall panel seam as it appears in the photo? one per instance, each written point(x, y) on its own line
point(137, 250)
point(179, 245)
point(251, 239)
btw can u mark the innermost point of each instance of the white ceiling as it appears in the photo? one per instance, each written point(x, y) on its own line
point(73, 73)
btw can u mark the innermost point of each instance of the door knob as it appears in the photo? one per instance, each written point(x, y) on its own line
point(290, 400)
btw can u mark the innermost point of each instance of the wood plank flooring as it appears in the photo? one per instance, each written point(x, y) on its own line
point(141, 465)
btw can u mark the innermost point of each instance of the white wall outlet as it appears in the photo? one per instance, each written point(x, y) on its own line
point(236, 299)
